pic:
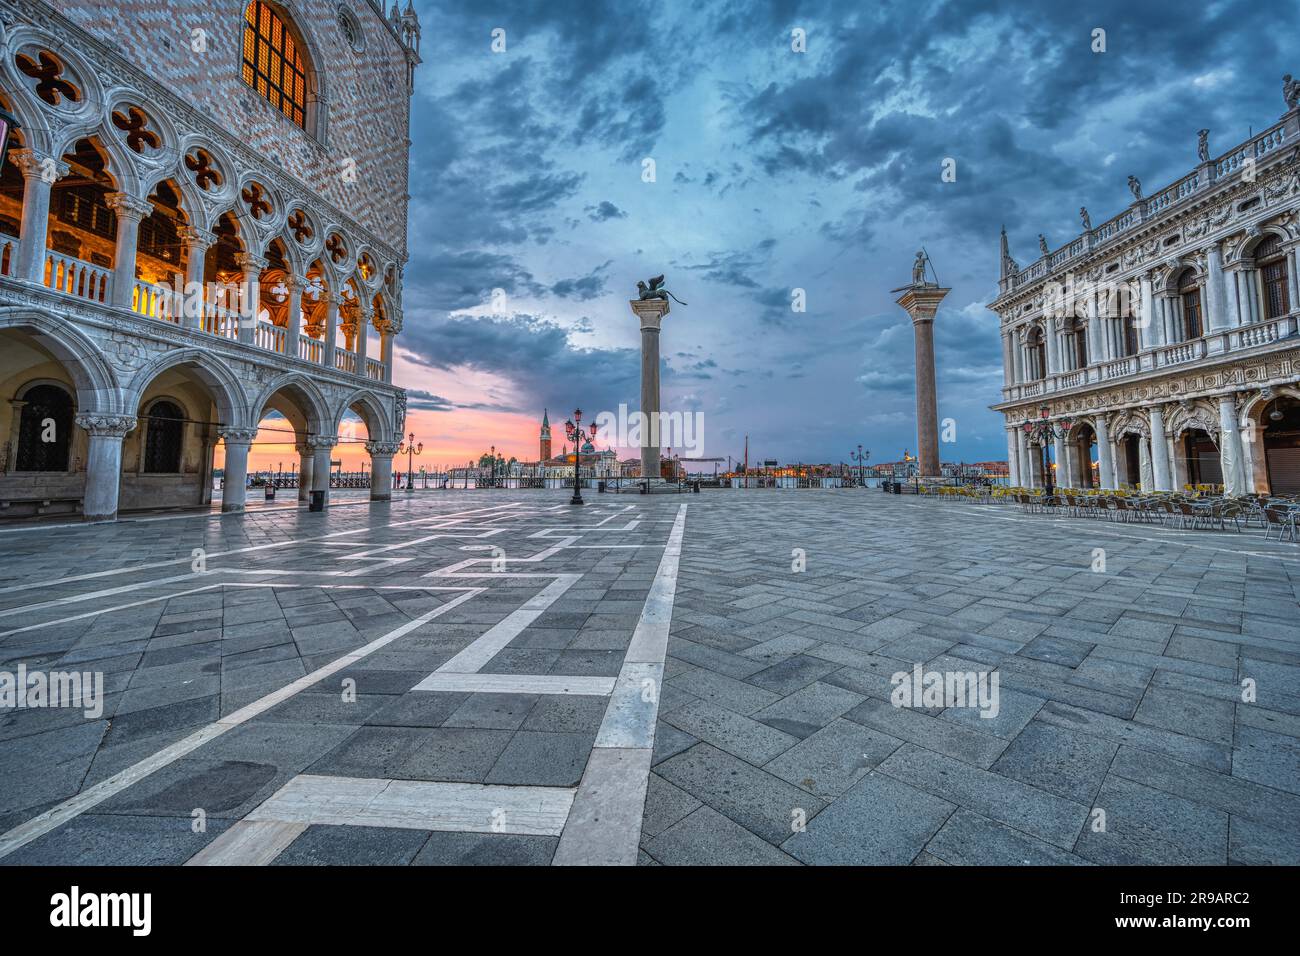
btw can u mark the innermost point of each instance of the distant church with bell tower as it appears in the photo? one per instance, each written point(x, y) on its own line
point(545, 438)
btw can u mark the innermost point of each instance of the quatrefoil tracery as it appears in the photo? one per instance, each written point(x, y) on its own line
point(337, 249)
point(135, 124)
point(301, 227)
point(47, 71)
point(256, 200)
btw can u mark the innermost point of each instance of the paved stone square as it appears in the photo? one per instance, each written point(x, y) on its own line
point(498, 678)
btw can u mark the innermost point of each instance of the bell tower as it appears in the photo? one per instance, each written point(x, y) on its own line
point(546, 437)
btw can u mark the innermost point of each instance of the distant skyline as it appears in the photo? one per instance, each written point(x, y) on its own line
point(777, 171)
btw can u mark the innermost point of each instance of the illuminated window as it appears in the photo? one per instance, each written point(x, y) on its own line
point(273, 62)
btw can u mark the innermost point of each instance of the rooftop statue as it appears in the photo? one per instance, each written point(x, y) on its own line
point(1291, 92)
point(1203, 145)
point(1135, 187)
point(655, 290)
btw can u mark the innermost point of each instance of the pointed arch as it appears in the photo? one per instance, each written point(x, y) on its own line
point(227, 392)
point(372, 412)
point(97, 386)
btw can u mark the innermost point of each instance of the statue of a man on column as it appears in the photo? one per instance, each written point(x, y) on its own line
point(918, 268)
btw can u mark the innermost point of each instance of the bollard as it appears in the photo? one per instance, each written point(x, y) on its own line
point(270, 491)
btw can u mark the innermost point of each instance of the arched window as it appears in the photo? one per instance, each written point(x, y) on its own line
point(274, 62)
point(1271, 261)
point(44, 429)
point(163, 438)
point(1037, 348)
point(1190, 292)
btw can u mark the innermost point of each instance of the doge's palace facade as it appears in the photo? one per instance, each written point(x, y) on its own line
point(202, 220)
point(1159, 349)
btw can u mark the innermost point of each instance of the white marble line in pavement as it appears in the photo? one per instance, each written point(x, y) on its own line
point(309, 799)
point(454, 518)
point(517, 684)
point(604, 825)
point(92, 796)
point(486, 646)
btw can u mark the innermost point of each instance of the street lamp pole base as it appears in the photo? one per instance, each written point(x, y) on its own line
point(576, 499)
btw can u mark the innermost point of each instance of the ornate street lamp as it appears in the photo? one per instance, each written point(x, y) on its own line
point(577, 435)
point(1041, 432)
point(861, 458)
point(410, 448)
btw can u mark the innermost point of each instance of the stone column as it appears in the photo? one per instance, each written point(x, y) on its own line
point(650, 313)
point(294, 328)
point(386, 333)
point(1230, 450)
point(1018, 359)
point(364, 318)
point(1053, 343)
point(197, 243)
point(381, 469)
point(1152, 330)
point(921, 302)
point(40, 173)
point(305, 463)
point(1096, 338)
point(322, 451)
point(1008, 360)
point(1026, 468)
point(1159, 450)
point(1013, 464)
point(130, 211)
point(250, 299)
point(234, 487)
point(103, 464)
point(1105, 460)
point(1217, 318)
point(331, 327)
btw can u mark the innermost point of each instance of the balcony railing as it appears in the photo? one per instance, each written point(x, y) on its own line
point(74, 277)
point(79, 279)
point(1203, 177)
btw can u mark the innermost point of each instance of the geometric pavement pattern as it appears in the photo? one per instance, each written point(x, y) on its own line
point(492, 677)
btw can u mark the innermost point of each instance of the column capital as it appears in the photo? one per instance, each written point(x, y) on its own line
point(234, 435)
point(921, 302)
point(317, 442)
point(106, 425)
point(37, 165)
point(384, 449)
point(651, 312)
point(197, 238)
point(247, 261)
point(129, 207)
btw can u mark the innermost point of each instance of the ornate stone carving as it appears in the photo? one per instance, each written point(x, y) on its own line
point(106, 425)
point(237, 435)
point(383, 448)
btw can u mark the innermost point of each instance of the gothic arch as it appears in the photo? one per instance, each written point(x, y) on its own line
point(372, 412)
point(227, 392)
point(97, 386)
point(312, 403)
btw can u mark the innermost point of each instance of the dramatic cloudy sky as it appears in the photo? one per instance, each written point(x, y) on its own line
point(778, 170)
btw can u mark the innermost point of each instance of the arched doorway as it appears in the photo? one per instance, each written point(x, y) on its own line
point(1200, 457)
point(1082, 441)
point(1281, 423)
point(1129, 447)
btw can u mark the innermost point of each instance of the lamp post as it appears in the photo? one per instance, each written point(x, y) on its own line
point(1041, 432)
point(861, 458)
point(411, 448)
point(576, 434)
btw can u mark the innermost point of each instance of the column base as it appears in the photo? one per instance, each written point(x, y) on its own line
point(99, 519)
point(231, 508)
point(380, 496)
